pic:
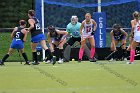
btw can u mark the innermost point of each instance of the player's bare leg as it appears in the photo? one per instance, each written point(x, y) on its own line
point(92, 51)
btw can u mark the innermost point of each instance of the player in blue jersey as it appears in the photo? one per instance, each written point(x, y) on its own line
point(73, 28)
point(57, 38)
point(38, 37)
point(118, 35)
point(19, 35)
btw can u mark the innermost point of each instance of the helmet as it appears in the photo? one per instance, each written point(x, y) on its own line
point(74, 19)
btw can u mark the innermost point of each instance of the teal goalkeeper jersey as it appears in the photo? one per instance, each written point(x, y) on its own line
point(74, 30)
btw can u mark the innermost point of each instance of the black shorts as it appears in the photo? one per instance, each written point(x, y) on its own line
point(72, 40)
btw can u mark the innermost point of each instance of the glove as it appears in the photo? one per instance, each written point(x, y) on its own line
point(92, 33)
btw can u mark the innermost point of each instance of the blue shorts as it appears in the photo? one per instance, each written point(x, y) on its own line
point(17, 44)
point(38, 38)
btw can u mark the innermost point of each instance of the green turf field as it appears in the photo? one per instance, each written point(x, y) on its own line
point(72, 77)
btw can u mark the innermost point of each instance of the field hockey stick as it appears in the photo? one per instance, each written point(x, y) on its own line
point(19, 56)
point(110, 55)
point(113, 52)
point(135, 55)
point(78, 43)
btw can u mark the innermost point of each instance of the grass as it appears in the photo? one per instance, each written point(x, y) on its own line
point(72, 77)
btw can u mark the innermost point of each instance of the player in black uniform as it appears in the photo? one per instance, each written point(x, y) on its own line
point(19, 35)
point(118, 35)
point(57, 38)
point(38, 37)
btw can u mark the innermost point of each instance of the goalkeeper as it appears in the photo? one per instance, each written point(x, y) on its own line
point(73, 28)
point(118, 35)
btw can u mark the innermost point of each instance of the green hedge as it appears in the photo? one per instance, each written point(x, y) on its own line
point(11, 12)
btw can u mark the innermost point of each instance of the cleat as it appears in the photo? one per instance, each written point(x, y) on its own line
point(130, 63)
point(125, 59)
point(27, 63)
point(79, 60)
point(1, 63)
point(111, 60)
point(35, 63)
point(60, 61)
point(92, 60)
point(54, 60)
point(48, 61)
point(95, 58)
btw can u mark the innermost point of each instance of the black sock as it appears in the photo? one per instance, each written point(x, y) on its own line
point(61, 53)
point(53, 53)
point(124, 53)
point(25, 57)
point(35, 57)
point(5, 57)
point(48, 54)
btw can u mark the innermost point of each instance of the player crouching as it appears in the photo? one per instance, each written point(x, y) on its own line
point(57, 38)
point(118, 35)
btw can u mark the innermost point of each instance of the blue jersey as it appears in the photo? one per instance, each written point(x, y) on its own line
point(118, 36)
point(36, 33)
point(18, 35)
point(17, 42)
point(74, 30)
point(36, 30)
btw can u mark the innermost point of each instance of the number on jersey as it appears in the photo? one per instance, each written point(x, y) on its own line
point(17, 34)
point(37, 26)
point(88, 29)
point(138, 28)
